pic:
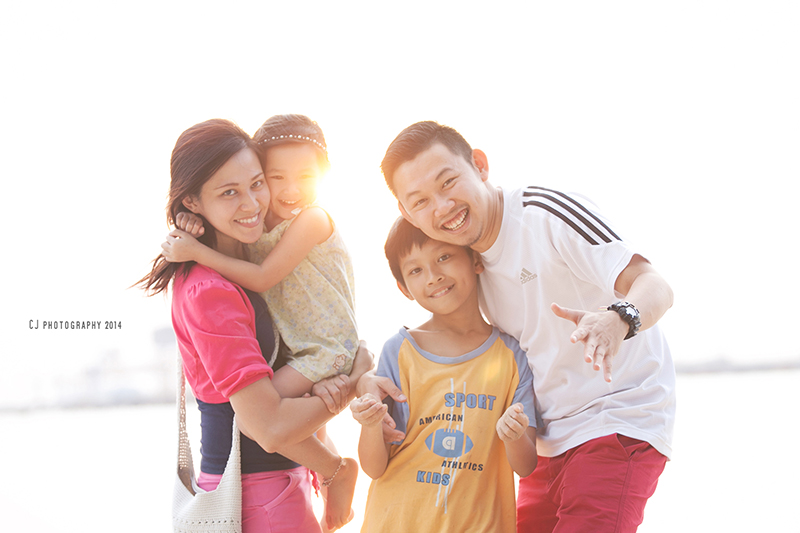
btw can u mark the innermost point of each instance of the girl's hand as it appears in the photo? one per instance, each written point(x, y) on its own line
point(513, 424)
point(368, 410)
point(333, 391)
point(179, 247)
point(190, 223)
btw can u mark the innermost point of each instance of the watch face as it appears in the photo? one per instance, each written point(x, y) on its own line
point(630, 312)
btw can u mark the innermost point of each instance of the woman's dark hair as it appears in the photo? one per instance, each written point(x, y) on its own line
point(285, 129)
point(198, 154)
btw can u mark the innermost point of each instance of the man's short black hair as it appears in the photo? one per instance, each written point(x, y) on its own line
point(417, 138)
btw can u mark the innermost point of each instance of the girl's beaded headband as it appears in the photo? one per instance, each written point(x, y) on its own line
point(297, 137)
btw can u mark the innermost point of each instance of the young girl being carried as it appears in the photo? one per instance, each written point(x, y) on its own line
point(300, 264)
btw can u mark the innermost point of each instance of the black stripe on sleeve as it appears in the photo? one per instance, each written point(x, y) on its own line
point(563, 217)
point(592, 226)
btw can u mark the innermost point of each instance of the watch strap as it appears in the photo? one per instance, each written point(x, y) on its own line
point(627, 312)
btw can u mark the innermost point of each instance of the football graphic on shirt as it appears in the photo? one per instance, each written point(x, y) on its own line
point(448, 443)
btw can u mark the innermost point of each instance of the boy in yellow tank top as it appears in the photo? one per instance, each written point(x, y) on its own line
point(469, 419)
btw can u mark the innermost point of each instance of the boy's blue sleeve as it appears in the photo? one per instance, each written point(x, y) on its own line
point(389, 367)
point(524, 393)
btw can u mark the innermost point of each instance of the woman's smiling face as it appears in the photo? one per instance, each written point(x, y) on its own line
point(234, 201)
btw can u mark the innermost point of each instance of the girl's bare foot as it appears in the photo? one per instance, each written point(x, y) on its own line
point(338, 511)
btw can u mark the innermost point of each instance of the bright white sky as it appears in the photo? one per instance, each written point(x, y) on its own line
point(679, 119)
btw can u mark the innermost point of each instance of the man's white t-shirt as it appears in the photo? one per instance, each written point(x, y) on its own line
point(554, 248)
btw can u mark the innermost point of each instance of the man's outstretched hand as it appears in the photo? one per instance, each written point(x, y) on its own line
point(601, 333)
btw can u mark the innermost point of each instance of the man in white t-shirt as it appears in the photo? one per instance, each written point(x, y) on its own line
point(583, 305)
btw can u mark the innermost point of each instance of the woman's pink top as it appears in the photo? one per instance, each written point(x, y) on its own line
point(215, 328)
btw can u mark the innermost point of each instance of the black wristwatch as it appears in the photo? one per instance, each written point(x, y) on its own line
point(629, 314)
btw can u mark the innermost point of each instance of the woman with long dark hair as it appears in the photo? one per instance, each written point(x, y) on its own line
point(225, 336)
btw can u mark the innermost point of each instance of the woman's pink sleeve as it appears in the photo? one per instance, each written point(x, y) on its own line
point(221, 326)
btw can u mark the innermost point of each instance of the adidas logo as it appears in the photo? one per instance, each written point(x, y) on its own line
point(526, 276)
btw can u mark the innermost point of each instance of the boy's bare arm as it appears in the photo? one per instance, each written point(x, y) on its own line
point(373, 452)
point(519, 440)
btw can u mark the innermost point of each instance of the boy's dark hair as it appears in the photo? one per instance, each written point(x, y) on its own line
point(417, 138)
point(403, 237)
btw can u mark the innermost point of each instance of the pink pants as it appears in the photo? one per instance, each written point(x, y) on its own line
point(600, 486)
point(273, 502)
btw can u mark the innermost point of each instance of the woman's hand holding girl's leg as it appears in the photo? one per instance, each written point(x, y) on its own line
point(334, 391)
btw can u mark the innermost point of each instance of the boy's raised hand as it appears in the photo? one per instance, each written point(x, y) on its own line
point(380, 387)
point(190, 223)
point(513, 424)
point(368, 410)
point(180, 247)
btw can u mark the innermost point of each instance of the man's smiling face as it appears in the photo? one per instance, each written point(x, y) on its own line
point(444, 195)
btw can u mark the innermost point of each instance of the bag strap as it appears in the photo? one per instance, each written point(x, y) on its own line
point(185, 462)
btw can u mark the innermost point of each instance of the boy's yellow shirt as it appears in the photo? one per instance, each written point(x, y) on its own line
point(451, 472)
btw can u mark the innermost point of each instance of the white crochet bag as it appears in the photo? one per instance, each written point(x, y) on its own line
point(193, 509)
